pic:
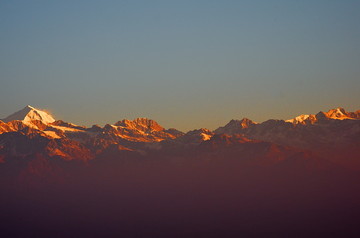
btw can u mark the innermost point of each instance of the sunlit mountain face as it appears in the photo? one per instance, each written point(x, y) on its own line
point(279, 178)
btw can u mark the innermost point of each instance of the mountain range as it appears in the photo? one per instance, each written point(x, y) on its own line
point(332, 135)
point(134, 178)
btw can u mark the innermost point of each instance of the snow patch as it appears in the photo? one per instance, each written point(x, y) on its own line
point(205, 136)
point(65, 129)
point(52, 134)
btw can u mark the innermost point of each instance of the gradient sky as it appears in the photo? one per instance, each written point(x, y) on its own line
point(186, 64)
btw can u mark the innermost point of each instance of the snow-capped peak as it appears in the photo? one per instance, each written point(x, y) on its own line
point(29, 114)
point(303, 119)
point(338, 113)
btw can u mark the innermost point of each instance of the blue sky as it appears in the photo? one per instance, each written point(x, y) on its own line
point(186, 64)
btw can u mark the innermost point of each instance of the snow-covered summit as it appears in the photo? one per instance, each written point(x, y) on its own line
point(303, 119)
point(335, 114)
point(338, 113)
point(29, 114)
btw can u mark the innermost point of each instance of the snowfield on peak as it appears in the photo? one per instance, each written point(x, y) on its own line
point(29, 114)
point(303, 119)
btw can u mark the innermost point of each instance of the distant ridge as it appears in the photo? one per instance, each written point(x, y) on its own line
point(336, 114)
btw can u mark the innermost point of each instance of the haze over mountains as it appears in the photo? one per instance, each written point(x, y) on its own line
point(278, 177)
